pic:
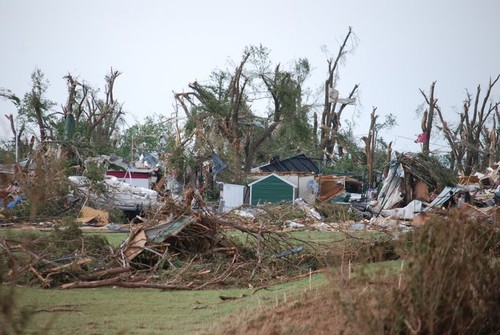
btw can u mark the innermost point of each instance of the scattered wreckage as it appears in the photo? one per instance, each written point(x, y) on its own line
point(405, 194)
point(184, 243)
point(116, 193)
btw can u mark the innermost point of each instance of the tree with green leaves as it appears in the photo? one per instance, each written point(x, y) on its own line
point(94, 120)
point(36, 108)
point(154, 134)
point(238, 111)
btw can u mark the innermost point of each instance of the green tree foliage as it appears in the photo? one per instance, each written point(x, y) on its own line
point(94, 119)
point(145, 136)
point(35, 108)
point(239, 110)
point(97, 118)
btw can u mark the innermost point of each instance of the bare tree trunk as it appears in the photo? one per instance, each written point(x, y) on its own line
point(492, 147)
point(16, 132)
point(428, 119)
point(370, 142)
point(68, 109)
point(456, 147)
point(330, 119)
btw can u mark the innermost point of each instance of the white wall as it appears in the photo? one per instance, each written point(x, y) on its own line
point(301, 181)
point(233, 196)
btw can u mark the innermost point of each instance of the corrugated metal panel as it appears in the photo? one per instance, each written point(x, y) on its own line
point(161, 232)
point(271, 189)
point(300, 163)
point(445, 194)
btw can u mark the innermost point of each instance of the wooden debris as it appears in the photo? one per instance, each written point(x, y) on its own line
point(104, 273)
point(91, 215)
point(135, 245)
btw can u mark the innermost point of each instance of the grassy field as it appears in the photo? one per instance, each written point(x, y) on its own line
point(147, 311)
point(144, 311)
point(117, 310)
point(352, 297)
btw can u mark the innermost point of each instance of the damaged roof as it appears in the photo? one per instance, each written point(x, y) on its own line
point(300, 163)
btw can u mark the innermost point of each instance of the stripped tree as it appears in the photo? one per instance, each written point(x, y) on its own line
point(428, 119)
point(474, 140)
point(93, 119)
point(17, 130)
point(333, 105)
point(370, 142)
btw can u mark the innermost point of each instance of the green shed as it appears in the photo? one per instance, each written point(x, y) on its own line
point(271, 188)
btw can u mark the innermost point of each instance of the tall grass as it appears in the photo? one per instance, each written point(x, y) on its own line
point(447, 282)
point(452, 284)
point(449, 286)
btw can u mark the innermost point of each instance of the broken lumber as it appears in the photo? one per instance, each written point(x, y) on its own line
point(104, 273)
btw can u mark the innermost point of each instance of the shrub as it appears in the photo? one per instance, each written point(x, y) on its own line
point(451, 285)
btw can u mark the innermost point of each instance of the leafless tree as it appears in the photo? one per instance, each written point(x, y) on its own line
point(17, 132)
point(370, 142)
point(332, 111)
point(428, 118)
point(474, 140)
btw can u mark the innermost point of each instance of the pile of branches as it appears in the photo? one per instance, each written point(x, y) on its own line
point(180, 246)
point(53, 259)
point(203, 251)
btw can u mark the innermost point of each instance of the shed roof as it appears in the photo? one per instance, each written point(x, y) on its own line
point(299, 163)
point(275, 175)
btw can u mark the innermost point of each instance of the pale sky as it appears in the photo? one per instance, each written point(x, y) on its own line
point(161, 46)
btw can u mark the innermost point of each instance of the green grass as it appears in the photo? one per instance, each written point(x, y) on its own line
point(146, 311)
point(143, 311)
point(114, 239)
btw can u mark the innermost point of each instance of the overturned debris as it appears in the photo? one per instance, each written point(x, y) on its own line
point(116, 193)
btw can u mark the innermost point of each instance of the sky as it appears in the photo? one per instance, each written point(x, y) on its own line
point(162, 46)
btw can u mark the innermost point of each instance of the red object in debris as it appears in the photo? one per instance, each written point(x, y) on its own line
point(422, 138)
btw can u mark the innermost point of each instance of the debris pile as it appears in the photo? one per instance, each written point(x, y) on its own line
point(177, 247)
point(179, 242)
